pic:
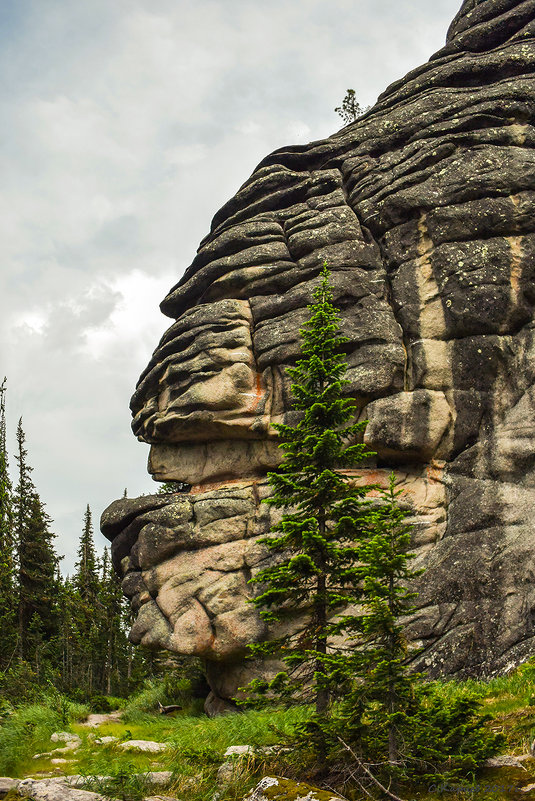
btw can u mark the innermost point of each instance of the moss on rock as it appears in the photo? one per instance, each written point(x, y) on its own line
point(273, 788)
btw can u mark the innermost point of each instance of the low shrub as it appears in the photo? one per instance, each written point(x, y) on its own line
point(122, 782)
point(172, 688)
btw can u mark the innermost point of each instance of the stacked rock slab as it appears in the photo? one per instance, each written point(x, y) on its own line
point(424, 209)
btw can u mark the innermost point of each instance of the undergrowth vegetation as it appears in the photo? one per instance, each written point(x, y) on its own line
point(25, 731)
point(196, 744)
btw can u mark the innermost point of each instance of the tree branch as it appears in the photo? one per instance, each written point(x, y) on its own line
point(369, 773)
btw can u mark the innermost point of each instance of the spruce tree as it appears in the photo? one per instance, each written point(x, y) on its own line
point(36, 561)
point(324, 512)
point(342, 562)
point(86, 575)
point(376, 714)
point(114, 635)
point(90, 612)
point(391, 718)
point(7, 578)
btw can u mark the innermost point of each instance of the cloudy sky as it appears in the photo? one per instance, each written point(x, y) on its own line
point(126, 125)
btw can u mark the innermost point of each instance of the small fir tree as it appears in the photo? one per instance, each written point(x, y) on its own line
point(315, 568)
point(391, 724)
point(376, 662)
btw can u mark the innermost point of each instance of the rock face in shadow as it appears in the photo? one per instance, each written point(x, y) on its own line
point(424, 210)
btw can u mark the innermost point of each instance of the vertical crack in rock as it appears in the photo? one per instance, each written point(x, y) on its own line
point(424, 209)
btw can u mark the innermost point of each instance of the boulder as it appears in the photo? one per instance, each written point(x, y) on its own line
point(273, 788)
point(54, 790)
point(424, 210)
point(8, 785)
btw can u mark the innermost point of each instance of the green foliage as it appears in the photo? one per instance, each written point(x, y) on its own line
point(27, 731)
point(174, 687)
point(172, 487)
point(324, 514)
point(104, 703)
point(215, 735)
point(19, 683)
point(350, 110)
point(121, 782)
point(437, 739)
point(72, 632)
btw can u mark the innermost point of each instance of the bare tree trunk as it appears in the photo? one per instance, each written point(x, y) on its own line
point(393, 751)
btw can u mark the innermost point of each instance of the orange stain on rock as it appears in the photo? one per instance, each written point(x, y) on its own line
point(435, 470)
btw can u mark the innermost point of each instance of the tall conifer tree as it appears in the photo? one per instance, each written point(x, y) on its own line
point(86, 576)
point(7, 579)
point(90, 611)
point(324, 513)
point(36, 560)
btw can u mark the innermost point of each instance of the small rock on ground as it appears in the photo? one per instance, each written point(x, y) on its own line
point(105, 740)
point(65, 737)
point(239, 750)
point(226, 773)
point(65, 750)
point(156, 778)
point(160, 798)
point(95, 720)
point(528, 788)
point(148, 746)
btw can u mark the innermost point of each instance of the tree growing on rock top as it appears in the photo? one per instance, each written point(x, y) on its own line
point(350, 110)
point(324, 512)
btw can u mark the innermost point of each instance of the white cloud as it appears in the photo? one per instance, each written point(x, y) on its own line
point(135, 318)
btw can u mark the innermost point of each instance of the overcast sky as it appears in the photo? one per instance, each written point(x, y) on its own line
point(126, 125)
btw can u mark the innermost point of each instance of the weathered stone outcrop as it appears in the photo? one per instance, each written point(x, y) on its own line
point(424, 209)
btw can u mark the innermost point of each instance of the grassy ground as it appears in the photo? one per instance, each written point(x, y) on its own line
point(196, 744)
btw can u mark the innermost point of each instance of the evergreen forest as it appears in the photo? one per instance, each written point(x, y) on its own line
point(69, 632)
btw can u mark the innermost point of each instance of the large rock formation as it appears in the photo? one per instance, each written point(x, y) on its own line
point(424, 209)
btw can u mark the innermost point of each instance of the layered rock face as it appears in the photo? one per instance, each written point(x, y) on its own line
point(424, 210)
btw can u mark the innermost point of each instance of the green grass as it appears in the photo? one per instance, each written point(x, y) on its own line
point(247, 728)
point(197, 744)
point(26, 731)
